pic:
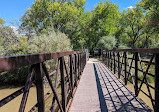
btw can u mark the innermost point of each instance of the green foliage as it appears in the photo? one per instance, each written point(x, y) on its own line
point(16, 77)
point(83, 28)
point(1, 21)
point(152, 8)
point(50, 42)
point(7, 38)
point(103, 27)
point(123, 46)
point(1, 50)
point(154, 43)
point(45, 13)
point(106, 17)
point(107, 42)
point(19, 47)
point(44, 43)
point(132, 21)
point(79, 3)
point(104, 21)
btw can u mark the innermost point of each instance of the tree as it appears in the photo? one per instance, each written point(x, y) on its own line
point(102, 21)
point(152, 8)
point(83, 28)
point(36, 18)
point(63, 15)
point(1, 21)
point(132, 21)
point(44, 14)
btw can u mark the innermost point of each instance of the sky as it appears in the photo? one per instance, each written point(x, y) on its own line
point(12, 10)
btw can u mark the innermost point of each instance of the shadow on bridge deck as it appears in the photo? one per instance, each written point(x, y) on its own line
point(101, 91)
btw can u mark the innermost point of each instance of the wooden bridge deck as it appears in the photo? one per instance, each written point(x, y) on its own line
point(100, 90)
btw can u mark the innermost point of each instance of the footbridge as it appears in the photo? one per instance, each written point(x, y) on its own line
point(96, 85)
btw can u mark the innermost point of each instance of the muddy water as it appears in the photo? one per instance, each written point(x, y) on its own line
point(142, 95)
point(14, 105)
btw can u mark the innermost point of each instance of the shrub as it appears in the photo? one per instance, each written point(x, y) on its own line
point(44, 43)
point(50, 42)
point(1, 50)
point(107, 42)
point(123, 46)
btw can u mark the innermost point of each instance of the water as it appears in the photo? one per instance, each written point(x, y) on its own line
point(143, 96)
point(13, 106)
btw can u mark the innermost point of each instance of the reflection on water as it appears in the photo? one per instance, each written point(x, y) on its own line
point(13, 106)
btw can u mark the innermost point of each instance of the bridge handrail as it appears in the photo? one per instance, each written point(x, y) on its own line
point(120, 61)
point(140, 50)
point(15, 62)
point(70, 72)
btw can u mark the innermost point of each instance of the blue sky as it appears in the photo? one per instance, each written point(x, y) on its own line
point(12, 10)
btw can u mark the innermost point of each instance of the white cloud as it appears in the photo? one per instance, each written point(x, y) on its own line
point(15, 29)
point(130, 7)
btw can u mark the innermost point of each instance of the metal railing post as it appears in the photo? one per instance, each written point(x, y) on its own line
point(105, 58)
point(125, 66)
point(78, 66)
point(62, 83)
point(111, 61)
point(156, 83)
point(39, 87)
point(71, 73)
point(108, 59)
point(119, 70)
point(114, 64)
point(136, 73)
point(76, 77)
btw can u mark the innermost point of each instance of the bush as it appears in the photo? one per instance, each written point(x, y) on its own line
point(50, 42)
point(123, 46)
point(44, 43)
point(107, 42)
point(1, 50)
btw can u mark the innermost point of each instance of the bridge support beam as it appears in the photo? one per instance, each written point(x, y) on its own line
point(76, 77)
point(119, 70)
point(114, 63)
point(39, 87)
point(63, 93)
point(156, 83)
point(125, 65)
point(136, 73)
point(71, 74)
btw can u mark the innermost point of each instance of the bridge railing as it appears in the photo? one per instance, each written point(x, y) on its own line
point(67, 74)
point(137, 66)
